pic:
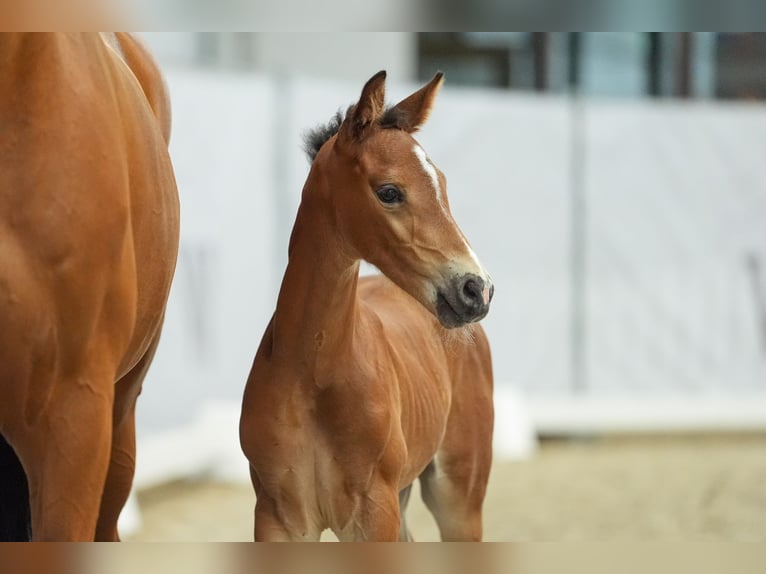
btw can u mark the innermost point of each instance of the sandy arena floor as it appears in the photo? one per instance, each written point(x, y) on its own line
point(672, 488)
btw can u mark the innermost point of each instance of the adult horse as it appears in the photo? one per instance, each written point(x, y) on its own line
point(89, 221)
point(358, 388)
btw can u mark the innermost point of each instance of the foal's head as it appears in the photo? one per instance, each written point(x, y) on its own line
point(389, 202)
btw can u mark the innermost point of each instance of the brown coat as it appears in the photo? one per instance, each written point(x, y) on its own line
point(89, 222)
point(358, 388)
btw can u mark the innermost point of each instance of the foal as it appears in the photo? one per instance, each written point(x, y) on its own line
point(356, 389)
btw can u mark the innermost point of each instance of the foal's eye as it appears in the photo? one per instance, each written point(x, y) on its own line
point(390, 195)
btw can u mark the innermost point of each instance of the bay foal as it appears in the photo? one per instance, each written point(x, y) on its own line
point(357, 389)
point(88, 241)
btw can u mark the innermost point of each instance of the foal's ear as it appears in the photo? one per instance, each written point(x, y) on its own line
point(413, 111)
point(368, 109)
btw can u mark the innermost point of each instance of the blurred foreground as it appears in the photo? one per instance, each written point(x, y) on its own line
point(637, 488)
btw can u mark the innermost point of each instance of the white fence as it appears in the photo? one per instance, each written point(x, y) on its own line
point(676, 205)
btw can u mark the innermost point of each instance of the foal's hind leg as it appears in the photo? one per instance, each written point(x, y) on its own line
point(122, 462)
point(454, 502)
point(455, 482)
point(453, 485)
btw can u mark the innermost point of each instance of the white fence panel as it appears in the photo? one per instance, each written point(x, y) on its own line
point(223, 292)
point(676, 206)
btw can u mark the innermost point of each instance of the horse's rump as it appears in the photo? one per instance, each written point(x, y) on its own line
point(88, 243)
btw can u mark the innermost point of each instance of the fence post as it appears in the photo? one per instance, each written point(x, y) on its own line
point(577, 224)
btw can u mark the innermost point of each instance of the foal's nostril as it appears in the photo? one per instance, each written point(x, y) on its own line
point(472, 292)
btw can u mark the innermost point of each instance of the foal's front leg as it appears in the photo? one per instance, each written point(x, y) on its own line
point(271, 525)
point(268, 526)
point(378, 517)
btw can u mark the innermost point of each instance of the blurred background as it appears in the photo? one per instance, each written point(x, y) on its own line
point(612, 185)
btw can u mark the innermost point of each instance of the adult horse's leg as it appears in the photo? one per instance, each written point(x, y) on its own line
point(123, 453)
point(404, 498)
point(119, 478)
point(66, 455)
point(122, 460)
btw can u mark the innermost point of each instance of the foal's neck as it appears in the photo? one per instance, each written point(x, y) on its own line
point(317, 303)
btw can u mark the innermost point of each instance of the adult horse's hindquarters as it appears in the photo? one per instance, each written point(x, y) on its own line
point(88, 243)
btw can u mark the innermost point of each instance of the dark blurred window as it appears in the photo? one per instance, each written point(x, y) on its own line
point(613, 64)
point(740, 61)
point(467, 60)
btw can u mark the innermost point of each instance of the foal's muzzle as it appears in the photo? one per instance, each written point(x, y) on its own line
point(465, 300)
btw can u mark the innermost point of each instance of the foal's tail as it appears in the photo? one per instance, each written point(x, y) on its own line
point(15, 519)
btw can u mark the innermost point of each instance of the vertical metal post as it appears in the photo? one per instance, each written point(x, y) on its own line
point(684, 63)
point(578, 222)
point(541, 58)
point(653, 64)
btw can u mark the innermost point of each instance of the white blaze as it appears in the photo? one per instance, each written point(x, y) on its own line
point(431, 171)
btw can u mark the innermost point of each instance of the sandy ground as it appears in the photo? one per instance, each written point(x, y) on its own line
point(658, 488)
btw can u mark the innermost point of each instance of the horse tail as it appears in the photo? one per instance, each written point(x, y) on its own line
point(15, 515)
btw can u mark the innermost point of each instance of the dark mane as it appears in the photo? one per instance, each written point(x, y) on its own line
point(314, 139)
point(391, 119)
